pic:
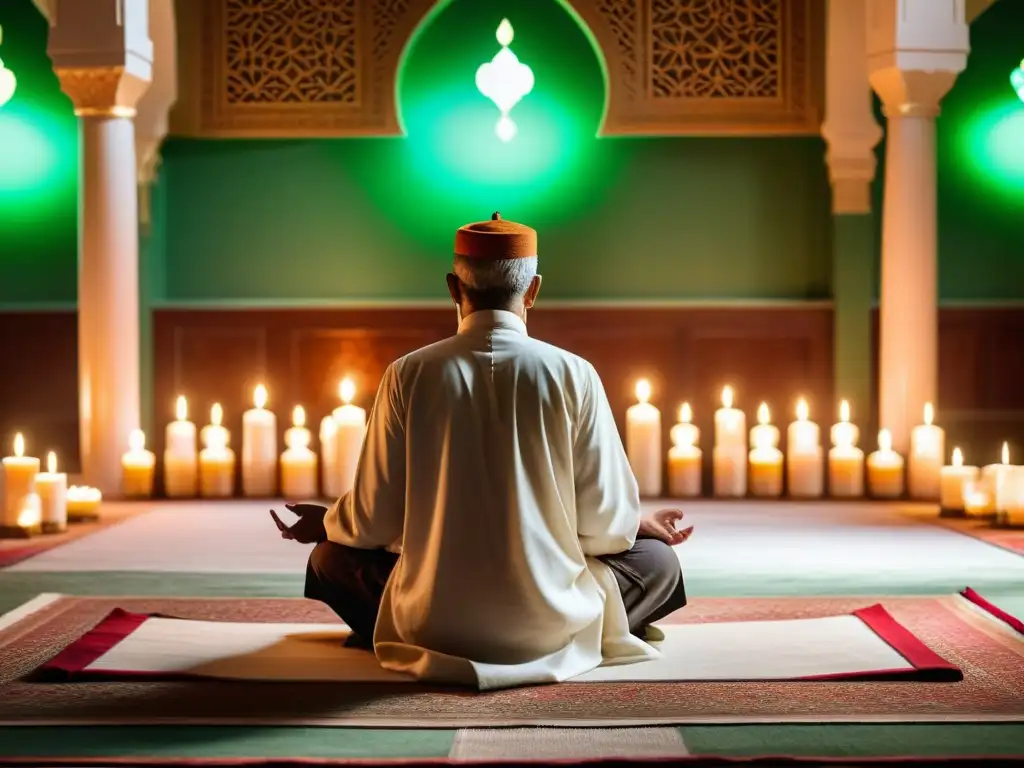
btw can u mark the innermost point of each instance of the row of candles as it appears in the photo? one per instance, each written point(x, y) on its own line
point(758, 468)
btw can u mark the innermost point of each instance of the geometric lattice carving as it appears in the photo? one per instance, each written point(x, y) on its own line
point(716, 49)
point(386, 14)
point(291, 52)
point(622, 17)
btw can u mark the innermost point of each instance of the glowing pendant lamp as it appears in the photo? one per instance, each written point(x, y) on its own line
point(505, 81)
point(8, 82)
point(1017, 80)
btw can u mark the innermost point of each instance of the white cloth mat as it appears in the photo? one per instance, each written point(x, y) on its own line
point(763, 650)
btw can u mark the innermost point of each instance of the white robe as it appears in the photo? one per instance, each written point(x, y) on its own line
point(494, 461)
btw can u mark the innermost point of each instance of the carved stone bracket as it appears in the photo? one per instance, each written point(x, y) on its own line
point(284, 68)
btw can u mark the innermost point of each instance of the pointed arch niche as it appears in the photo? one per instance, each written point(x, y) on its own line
point(672, 67)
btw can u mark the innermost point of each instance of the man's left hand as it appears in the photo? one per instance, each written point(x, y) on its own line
point(662, 526)
point(309, 529)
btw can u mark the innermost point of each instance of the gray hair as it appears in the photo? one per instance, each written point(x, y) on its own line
point(502, 278)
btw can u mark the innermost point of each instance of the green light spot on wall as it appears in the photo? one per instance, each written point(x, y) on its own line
point(991, 148)
point(1017, 80)
point(37, 155)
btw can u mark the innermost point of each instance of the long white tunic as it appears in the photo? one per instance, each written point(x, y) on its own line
point(493, 461)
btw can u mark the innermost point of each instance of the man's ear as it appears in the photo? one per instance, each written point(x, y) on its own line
point(454, 288)
point(531, 293)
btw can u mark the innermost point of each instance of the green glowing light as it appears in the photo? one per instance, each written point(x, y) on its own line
point(8, 82)
point(991, 148)
point(1017, 80)
point(505, 80)
point(37, 153)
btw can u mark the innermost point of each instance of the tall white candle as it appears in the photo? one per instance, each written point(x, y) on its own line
point(349, 431)
point(845, 459)
point(765, 457)
point(298, 462)
point(328, 457)
point(216, 460)
point(924, 465)
point(181, 460)
point(951, 484)
point(996, 478)
point(885, 469)
point(684, 457)
point(805, 471)
point(259, 448)
point(52, 489)
point(19, 482)
point(643, 441)
point(729, 456)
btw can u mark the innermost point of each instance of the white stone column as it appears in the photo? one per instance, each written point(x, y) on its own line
point(102, 56)
point(916, 49)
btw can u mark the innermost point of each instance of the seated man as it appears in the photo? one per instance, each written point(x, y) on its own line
point(493, 535)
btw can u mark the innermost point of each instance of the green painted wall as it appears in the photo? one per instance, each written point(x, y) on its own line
point(619, 218)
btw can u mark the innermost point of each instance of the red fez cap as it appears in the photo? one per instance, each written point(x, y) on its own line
point(496, 239)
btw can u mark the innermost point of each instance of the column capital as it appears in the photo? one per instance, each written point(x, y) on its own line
point(101, 91)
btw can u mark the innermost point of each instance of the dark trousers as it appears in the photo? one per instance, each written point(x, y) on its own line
point(351, 582)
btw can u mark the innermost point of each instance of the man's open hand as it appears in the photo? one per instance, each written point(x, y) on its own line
point(662, 526)
point(308, 529)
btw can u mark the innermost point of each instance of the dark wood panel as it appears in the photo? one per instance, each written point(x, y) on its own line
point(39, 385)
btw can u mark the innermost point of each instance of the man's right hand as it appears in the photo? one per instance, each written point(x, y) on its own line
point(662, 526)
point(308, 529)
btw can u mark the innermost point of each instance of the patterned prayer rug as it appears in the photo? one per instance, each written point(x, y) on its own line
point(989, 653)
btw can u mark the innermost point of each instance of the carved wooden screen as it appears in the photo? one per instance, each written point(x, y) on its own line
point(675, 66)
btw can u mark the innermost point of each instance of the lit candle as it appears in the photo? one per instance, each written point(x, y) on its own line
point(1013, 511)
point(684, 457)
point(995, 477)
point(259, 448)
point(845, 459)
point(298, 462)
point(729, 456)
point(137, 465)
point(924, 465)
point(977, 499)
point(805, 469)
point(83, 503)
point(349, 431)
point(19, 481)
point(216, 460)
point(951, 485)
point(885, 469)
point(765, 457)
point(328, 457)
point(643, 441)
point(180, 457)
point(52, 489)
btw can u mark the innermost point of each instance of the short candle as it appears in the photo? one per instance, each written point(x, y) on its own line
point(1013, 511)
point(805, 471)
point(349, 431)
point(137, 467)
point(885, 469)
point(684, 457)
point(996, 477)
point(924, 466)
point(52, 489)
point(83, 503)
point(953, 478)
point(298, 462)
point(216, 460)
point(181, 469)
point(729, 455)
point(643, 441)
point(845, 459)
point(765, 458)
point(19, 481)
point(259, 448)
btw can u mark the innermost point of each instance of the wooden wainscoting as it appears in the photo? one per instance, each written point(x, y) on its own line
point(769, 354)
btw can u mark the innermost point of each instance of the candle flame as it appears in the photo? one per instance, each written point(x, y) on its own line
point(19, 445)
point(727, 397)
point(685, 413)
point(28, 517)
point(181, 408)
point(1006, 453)
point(763, 414)
point(802, 410)
point(137, 440)
point(216, 415)
point(259, 397)
point(844, 411)
point(643, 390)
point(958, 458)
point(929, 414)
point(51, 463)
point(299, 416)
point(347, 390)
point(884, 441)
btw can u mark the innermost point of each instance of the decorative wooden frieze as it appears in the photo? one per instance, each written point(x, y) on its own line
point(306, 68)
